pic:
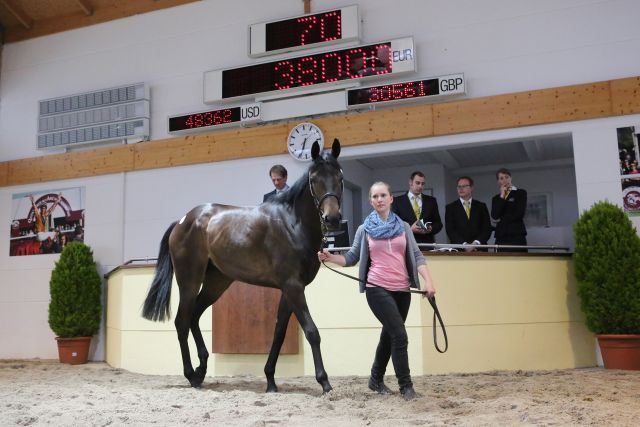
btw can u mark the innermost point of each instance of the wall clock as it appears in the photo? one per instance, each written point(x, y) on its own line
point(301, 139)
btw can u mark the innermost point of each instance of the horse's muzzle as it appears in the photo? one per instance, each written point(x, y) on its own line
point(332, 220)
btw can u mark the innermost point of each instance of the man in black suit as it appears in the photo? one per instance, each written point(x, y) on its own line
point(415, 206)
point(467, 219)
point(278, 174)
point(508, 208)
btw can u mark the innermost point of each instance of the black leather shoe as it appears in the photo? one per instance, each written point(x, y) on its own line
point(408, 393)
point(378, 386)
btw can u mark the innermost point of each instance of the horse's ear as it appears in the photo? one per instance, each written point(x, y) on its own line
point(315, 150)
point(335, 148)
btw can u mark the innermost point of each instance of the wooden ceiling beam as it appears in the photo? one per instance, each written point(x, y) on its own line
point(56, 24)
point(86, 7)
point(25, 20)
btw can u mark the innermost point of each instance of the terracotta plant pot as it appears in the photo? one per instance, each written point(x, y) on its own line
point(74, 351)
point(620, 351)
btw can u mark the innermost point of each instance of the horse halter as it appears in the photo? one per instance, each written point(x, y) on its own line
point(318, 203)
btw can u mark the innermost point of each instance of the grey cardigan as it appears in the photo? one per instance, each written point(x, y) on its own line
point(360, 252)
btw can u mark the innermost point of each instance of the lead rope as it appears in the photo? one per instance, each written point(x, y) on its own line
point(432, 301)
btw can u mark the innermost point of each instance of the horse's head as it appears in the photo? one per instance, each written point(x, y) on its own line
point(326, 183)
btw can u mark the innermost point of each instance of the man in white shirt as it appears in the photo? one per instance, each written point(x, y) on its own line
point(419, 210)
point(466, 219)
point(278, 174)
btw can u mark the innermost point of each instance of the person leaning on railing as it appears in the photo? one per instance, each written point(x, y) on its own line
point(508, 208)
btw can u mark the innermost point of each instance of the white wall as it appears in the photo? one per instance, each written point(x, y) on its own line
point(24, 287)
point(502, 46)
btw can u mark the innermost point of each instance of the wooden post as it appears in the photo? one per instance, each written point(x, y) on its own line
point(307, 6)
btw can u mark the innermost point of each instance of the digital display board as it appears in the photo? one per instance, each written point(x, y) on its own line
point(304, 32)
point(215, 119)
point(452, 84)
point(358, 62)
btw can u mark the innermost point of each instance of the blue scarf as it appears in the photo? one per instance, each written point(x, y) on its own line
point(379, 229)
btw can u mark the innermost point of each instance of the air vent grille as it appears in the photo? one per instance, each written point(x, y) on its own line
point(94, 99)
point(102, 115)
point(108, 132)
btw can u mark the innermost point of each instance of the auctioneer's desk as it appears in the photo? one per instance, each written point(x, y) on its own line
point(502, 311)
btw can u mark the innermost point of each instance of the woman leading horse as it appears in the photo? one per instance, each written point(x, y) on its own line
point(273, 245)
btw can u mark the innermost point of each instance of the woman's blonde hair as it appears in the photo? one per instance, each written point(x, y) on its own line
point(380, 183)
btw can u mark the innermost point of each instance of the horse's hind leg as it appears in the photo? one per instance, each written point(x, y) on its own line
point(284, 313)
point(294, 292)
point(189, 275)
point(213, 286)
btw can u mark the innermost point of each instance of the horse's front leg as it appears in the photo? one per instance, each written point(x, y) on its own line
point(294, 292)
point(284, 313)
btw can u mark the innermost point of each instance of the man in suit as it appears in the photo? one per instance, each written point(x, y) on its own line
point(278, 174)
point(467, 219)
point(508, 208)
point(415, 206)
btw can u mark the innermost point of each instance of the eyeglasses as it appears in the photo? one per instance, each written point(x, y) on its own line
point(460, 187)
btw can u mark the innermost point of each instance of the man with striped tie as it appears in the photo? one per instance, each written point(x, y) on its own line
point(416, 209)
point(467, 219)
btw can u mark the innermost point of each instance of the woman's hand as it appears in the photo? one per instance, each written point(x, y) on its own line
point(323, 255)
point(505, 191)
point(429, 291)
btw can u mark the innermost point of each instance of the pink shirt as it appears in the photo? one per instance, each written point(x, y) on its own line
point(388, 264)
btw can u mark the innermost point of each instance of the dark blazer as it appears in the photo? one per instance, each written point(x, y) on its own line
point(461, 229)
point(273, 193)
point(510, 213)
point(268, 196)
point(402, 207)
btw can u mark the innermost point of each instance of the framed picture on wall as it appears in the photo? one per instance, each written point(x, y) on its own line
point(538, 213)
point(45, 221)
point(629, 152)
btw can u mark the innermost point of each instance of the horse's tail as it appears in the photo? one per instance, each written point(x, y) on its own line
point(157, 304)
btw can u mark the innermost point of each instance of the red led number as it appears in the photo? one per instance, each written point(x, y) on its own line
point(210, 118)
point(397, 91)
point(332, 66)
point(330, 28)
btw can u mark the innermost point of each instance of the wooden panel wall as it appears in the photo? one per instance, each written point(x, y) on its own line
point(53, 17)
point(625, 96)
point(554, 105)
point(244, 320)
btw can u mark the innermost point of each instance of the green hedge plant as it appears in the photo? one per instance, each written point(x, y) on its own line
point(607, 268)
point(75, 309)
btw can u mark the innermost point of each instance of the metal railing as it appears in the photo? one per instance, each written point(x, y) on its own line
point(451, 247)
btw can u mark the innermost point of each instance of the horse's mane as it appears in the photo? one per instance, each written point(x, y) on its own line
point(288, 197)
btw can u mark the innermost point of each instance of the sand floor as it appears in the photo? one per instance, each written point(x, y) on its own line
point(45, 392)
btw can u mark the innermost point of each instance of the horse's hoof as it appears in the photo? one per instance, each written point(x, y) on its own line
point(326, 389)
point(196, 382)
point(271, 388)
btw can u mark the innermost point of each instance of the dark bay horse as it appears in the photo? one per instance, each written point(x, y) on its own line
point(273, 245)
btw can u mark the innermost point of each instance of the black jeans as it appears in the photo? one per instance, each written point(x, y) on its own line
point(391, 309)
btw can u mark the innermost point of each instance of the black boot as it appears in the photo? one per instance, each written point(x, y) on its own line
point(408, 393)
point(378, 386)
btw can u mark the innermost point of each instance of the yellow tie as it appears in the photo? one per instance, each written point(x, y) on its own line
point(416, 207)
point(467, 208)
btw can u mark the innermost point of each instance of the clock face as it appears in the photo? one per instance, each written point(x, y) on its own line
point(301, 139)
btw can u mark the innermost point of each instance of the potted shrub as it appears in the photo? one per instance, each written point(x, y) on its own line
point(607, 268)
point(75, 309)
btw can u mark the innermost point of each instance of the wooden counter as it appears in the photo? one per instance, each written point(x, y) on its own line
point(502, 311)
